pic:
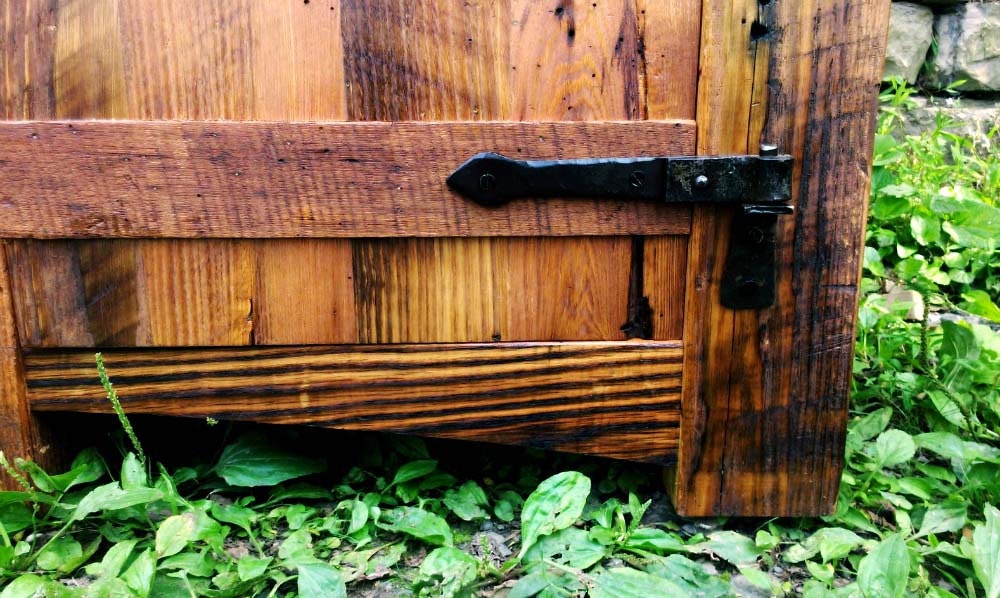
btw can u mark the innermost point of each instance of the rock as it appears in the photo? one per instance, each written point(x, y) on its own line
point(910, 31)
point(906, 297)
point(943, 3)
point(968, 48)
point(742, 588)
point(934, 319)
point(970, 118)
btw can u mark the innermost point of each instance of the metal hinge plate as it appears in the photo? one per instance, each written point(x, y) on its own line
point(759, 185)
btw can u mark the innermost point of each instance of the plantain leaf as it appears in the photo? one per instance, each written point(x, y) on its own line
point(556, 504)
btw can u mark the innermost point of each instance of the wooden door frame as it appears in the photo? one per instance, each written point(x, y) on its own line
point(765, 391)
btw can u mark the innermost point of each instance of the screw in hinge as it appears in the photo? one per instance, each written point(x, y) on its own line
point(637, 179)
point(487, 182)
point(701, 181)
point(755, 235)
point(749, 286)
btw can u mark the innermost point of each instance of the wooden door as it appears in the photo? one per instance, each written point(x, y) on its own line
point(307, 264)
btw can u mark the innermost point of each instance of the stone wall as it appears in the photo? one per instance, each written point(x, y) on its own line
point(950, 49)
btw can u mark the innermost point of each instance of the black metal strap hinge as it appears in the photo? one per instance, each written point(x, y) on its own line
point(759, 185)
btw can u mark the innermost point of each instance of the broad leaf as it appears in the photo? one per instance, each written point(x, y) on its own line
point(654, 540)
point(624, 582)
point(114, 559)
point(893, 447)
point(87, 467)
point(980, 303)
point(467, 502)
point(58, 552)
point(986, 552)
point(556, 504)
point(25, 586)
point(133, 473)
point(320, 579)
point(871, 425)
point(959, 341)
point(110, 497)
point(414, 470)
point(253, 461)
point(418, 523)
point(174, 533)
point(571, 547)
point(359, 516)
point(948, 516)
point(139, 575)
point(445, 572)
point(690, 576)
point(733, 547)
point(251, 568)
point(297, 548)
point(926, 229)
point(829, 542)
point(884, 572)
point(193, 564)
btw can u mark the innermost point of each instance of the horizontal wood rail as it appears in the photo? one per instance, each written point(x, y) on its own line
point(85, 179)
point(615, 399)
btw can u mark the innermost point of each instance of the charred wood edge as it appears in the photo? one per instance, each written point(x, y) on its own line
point(633, 416)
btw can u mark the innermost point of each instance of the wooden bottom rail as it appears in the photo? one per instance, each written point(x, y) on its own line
point(614, 399)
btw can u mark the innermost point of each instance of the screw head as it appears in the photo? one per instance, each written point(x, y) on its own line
point(749, 286)
point(487, 182)
point(701, 181)
point(768, 149)
point(755, 235)
point(637, 179)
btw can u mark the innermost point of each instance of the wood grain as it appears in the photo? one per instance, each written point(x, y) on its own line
point(665, 262)
point(194, 179)
point(548, 289)
point(826, 113)
point(670, 38)
point(572, 61)
point(615, 399)
point(27, 37)
point(213, 292)
point(22, 434)
point(425, 290)
point(576, 61)
point(725, 90)
point(426, 60)
point(303, 292)
point(769, 438)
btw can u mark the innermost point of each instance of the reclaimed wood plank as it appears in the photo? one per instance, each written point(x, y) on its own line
point(303, 292)
point(22, 434)
point(419, 62)
point(824, 112)
point(670, 36)
point(168, 292)
point(254, 179)
point(554, 289)
point(426, 60)
point(665, 262)
point(27, 38)
point(777, 427)
point(425, 290)
point(571, 62)
point(576, 61)
point(724, 98)
point(298, 60)
point(615, 399)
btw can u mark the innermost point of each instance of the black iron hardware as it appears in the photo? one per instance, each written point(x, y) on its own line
point(759, 185)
